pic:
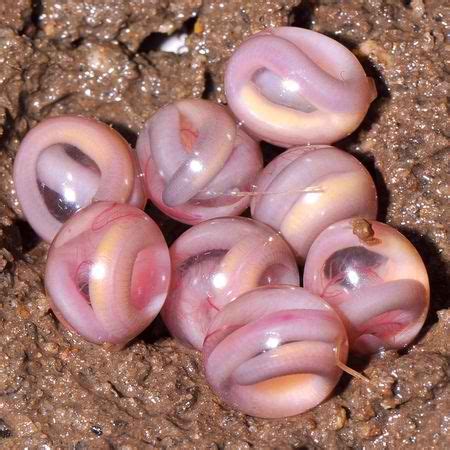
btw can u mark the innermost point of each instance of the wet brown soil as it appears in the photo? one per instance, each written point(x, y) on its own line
point(100, 58)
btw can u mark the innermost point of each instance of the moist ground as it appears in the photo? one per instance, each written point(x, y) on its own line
point(100, 58)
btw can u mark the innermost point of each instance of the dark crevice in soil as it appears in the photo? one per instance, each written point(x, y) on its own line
point(77, 43)
point(8, 129)
point(153, 41)
point(36, 12)
point(209, 86)
point(303, 15)
point(5, 431)
point(270, 152)
point(129, 135)
point(22, 103)
point(28, 237)
point(154, 333)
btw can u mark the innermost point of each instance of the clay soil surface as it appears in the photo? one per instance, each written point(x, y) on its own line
point(101, 58)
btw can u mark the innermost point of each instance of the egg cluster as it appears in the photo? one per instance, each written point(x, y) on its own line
point(230, 286)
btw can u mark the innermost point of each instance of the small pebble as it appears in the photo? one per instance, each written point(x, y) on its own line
point(369, 429)
point(68, 353)
point(23, 312)
point(51, 347)
point(340, 419)
point(389, 403)
point(97, 430)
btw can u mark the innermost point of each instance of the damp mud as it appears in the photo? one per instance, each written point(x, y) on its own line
point(106, 58)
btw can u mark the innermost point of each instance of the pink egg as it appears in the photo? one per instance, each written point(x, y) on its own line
point(274, 352)
point(306, 189)
point(197, 163)
point(108, 272)
point(216, 261)
point(66, 163)
point(374, 277)
point(292, 86)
